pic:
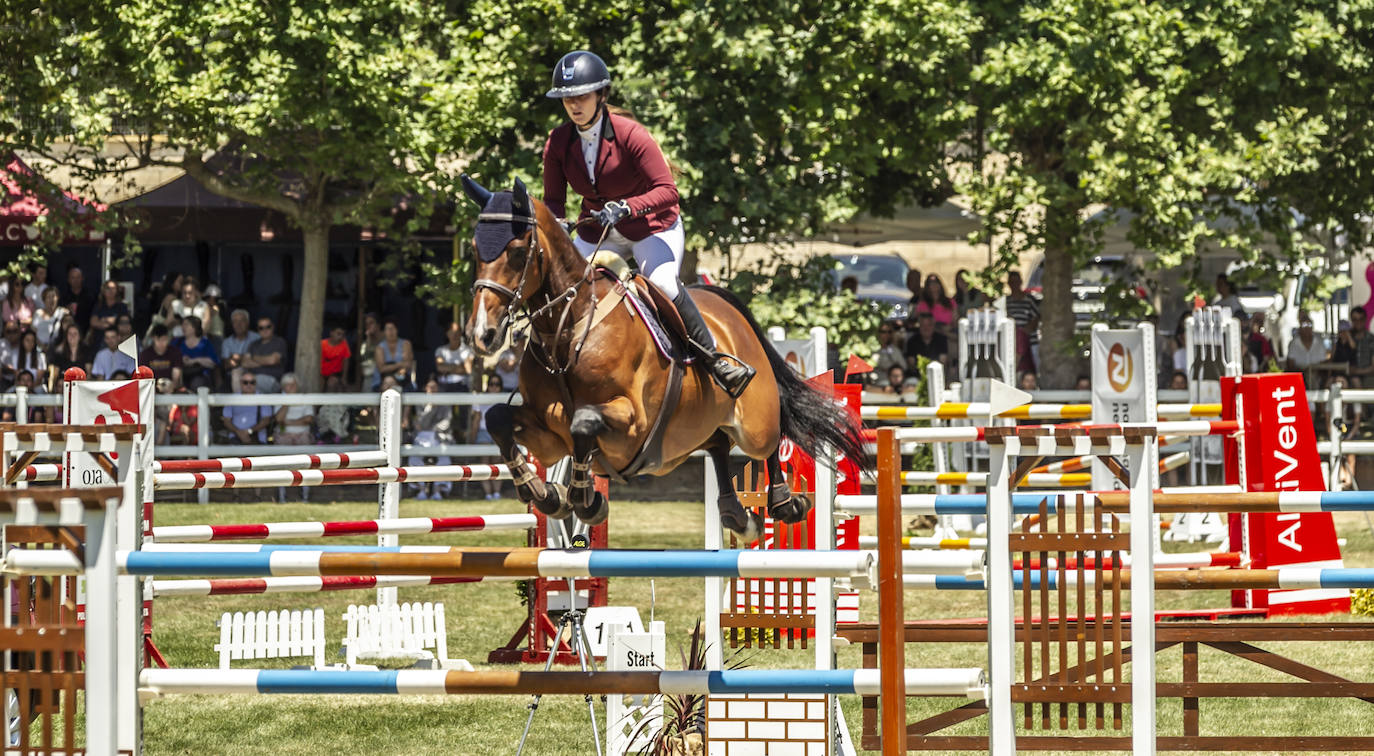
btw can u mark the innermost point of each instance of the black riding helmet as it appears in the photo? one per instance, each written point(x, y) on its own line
point(578, 73)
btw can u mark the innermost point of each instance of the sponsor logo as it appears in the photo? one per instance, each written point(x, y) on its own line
point(1120, 368)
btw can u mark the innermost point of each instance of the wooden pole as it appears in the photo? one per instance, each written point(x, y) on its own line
point(891, 617)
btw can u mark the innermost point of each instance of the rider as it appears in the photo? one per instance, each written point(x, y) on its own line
point(626, 185)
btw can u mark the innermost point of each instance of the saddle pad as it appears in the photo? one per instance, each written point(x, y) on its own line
point(665, 345)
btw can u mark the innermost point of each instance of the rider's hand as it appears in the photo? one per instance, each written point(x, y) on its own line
point(612, 213)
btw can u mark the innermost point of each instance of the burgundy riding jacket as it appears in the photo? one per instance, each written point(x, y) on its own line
point(629, 167)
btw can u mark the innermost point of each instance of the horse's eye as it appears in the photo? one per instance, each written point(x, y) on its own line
point(515, 254)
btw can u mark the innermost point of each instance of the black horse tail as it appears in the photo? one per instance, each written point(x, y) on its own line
point(812, 418)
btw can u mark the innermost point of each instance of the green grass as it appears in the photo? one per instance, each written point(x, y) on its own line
point(482, 616)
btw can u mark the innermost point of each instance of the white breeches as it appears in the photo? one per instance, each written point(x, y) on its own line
point(659, 255)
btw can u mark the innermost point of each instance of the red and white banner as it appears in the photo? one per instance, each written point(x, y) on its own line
point(1277, 451)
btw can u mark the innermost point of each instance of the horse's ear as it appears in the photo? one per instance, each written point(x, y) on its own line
point(520, 203)
point(475, 191)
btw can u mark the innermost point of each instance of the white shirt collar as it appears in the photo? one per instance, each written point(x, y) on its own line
point(592, 132)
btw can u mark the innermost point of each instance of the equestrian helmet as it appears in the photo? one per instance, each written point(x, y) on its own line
point(578, 73)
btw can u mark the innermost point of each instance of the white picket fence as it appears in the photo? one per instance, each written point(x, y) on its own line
point(271, 635)
point(408, 631)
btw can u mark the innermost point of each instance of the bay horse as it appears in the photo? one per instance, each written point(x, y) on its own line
point(596, 387)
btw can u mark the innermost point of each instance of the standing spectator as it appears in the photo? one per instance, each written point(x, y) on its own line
point(1306, 349)
point(31, 357)
point(1226, 296)
point(214, 324)
point(78, 301)
point(925, 342)
point(199, 361)
point(294, 421)
point(453, 362)
point(189, 304)
point(162, 358)
point(913, 285)
point(16, 308)
point(1359, 347)
point(183, 422)
point(1022, 308)
point(889, 352)
point(266, 357)
point(394, 356)
point(934, 301)
point(38, 281)
point(334, 354)
point(965, 296)
point(71, 351)
point(247, 424)
point(235, 346)
point(508, 368)
point(367, 351)
point(432, 425)
point(1259, 351)
point(491, 489)
point(334, 421)
point(48, 316)
point(105, 314)
point(110, 361)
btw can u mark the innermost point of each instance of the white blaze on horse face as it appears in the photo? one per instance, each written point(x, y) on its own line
point(479, 315)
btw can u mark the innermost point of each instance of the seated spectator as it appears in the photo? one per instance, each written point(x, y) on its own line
point(214, 322)
point(199, 361)
point(432, 425)
point(31, 357)
point(1306, 349)
point(189, 304)
point(110, 361)
point(935, 301)
point(75, 297)
point(334, 421)
point(267, 357)
point(47, 317)
point(106, 311)
point(1178, 381)
point(234, 346)
point(162, 358)
point(9, 353)
point(926, 342)
point(491, 489)
point(508, 368)
point(124, 326)
point(897, 382)
point(394, 356)
point(1029, 382)
point(25, 379)
point(164, 315)
point(295, 422)
point(183, 422)
point(16, 307)
point(367, 351)
point(334, 354)
point(1084, 383)
point(453, 362)
point(70, 351)
point(889, 351)
point(247, 424)
point(163, 412)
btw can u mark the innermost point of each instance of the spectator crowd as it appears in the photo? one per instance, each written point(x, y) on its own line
point(192, 340)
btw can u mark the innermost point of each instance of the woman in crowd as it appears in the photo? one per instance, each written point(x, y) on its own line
point(294, 421)
point(394, 356)
point(48, 317)
point(367, 351)
point(965, 296)
point(31, 357)
point(199, 360)
point(71, 351)
point(934, 301)
point(16, 308)
point(189, 304)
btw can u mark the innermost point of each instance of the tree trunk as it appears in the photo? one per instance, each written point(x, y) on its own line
point(1060, 363)
point(310, 319)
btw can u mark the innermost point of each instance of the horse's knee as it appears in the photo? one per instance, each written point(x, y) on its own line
point(500, 420)
point(587, 423)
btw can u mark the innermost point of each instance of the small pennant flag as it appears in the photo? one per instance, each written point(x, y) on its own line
point(856, 366)
point(130, 348)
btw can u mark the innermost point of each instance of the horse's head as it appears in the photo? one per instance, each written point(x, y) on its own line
point(509, 270)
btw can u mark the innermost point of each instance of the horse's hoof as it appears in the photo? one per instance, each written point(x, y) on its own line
point(747, 525)
point(792, 511)
point(555, 503)
point(594, 513)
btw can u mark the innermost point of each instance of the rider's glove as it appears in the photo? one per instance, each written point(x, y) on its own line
point(612, 213)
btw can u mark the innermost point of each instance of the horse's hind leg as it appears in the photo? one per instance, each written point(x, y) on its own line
point(746, 525)
point(587, 503)
point(502, 422)
point(783, 505)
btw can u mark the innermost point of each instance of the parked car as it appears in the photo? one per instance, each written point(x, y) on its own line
point(1090, 282)
point(881, 279)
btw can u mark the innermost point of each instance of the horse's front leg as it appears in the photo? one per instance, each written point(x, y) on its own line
point(504, 422)
point(589, 422)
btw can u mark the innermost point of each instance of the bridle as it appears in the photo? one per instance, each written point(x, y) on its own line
point(515, 298)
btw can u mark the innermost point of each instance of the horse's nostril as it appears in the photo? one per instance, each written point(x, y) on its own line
point(489, 337)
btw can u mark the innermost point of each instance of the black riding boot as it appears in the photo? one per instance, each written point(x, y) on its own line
point(732, 374)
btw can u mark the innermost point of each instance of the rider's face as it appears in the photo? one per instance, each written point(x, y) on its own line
point(582, 108)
